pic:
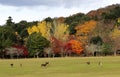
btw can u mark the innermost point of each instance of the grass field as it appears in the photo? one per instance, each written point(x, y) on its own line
point(61, 67)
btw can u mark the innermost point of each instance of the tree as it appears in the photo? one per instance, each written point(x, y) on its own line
point(41, 27)
point(60, 30)
point(91, 49)
point(56, 45)
point(21, 50)
point(7, 38)
point(94, 46)
point(21, 31)
point(19, 27)
point(106, 48)
point(56, 29)
point(74, 20)
point(52, 31)
point(84, 31)
point(9, 22)
point(59, 36)
point(115, 35)
point(72, 28)
point(36, 44)
point(96, 40)
point(75, 46)
point(113, 13)
point(48, 19)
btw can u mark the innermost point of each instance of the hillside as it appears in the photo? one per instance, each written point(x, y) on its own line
point(107, 10)
point(96, 31)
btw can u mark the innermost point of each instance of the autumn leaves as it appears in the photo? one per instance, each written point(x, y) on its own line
point(58, 35)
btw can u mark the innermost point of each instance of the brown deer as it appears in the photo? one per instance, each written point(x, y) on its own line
point(45, 64)
point(100, 63)
point(11, 64)
point(88, 63)
point(20, 65)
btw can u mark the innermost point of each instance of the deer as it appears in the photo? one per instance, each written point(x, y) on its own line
point(44, 64)
point(11, 64)
point(100, 63)
point(88, 63)
point(20, 65)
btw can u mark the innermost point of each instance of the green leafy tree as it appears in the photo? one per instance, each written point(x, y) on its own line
point(96, 40)
point(36, 44)
point(21, 31)
point(106, 48)
point(7, 38)
point(21, 26)
point(72, 27)
point(112, 14)
point(9, 22)
point(48, 19)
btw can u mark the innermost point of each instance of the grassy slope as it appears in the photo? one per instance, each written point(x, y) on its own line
point(62, 67)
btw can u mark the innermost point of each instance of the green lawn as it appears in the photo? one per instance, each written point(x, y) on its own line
point(61, 67)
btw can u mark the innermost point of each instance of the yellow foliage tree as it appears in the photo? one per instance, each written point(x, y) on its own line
point(115, 37)
point(115, 34)
point(58, 30)
point(118, 20)
point(42, 27)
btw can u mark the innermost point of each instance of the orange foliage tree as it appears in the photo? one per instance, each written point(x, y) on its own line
point(83, 31)
point(75, 46)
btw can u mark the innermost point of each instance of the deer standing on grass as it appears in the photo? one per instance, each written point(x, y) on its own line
point(100, 63)
point(88, 63)
point(20, 65)
point(44, 64)
point(11, 64)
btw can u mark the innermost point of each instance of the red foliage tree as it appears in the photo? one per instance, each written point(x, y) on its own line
point(22, 49)
point(56, 45)
point(72, 46)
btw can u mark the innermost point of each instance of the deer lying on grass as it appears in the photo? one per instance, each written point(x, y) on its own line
point(45, 64)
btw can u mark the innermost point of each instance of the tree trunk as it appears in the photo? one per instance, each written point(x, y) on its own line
point(53, 55)
point(2, 53)
point(11, 56)
point(62, 53)
point(49, 54)
point(115, 53)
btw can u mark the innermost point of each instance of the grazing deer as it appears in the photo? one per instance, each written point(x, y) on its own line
point(100, 63)
point(20, 65)
point(88, 63)
point(45, 64)
point(11, 65)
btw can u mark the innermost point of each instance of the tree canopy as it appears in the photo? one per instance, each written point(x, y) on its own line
point(36, 43)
